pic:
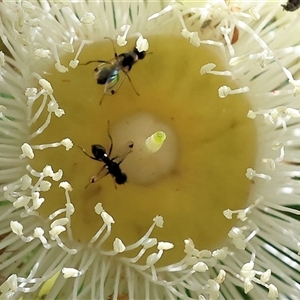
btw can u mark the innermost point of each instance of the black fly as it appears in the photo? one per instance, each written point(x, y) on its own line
point(291, 5)
point(112, 73)
point(111, 165)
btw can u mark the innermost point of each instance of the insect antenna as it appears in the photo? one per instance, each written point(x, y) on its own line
point(112, 42)
point(93, 61)
point(83, 150)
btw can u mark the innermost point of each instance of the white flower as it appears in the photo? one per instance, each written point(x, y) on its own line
point(259, 45)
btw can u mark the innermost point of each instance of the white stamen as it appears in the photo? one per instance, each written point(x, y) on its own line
point(98, 208)
point(41, 53)
point(142, 44)
point(265, 277)
point(221, 276)
point(200, 267)
point(248, 286)
point(224, 91)
point(118, 245)
point(273, 292)
point(107, 219)
point(88, 19)
point(207, 69)
point(27, 151)
point(159, 221)
point(193, 37)
point(121, 39)
point(46, 86)
point(70, 272)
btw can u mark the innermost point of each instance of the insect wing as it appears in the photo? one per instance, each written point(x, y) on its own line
point(102, 173)
point(125, 151)
point(103, 71)
point(114, 81)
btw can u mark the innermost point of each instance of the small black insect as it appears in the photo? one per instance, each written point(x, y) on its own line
point(112, 73)
point(291, 5)
point(111, 165)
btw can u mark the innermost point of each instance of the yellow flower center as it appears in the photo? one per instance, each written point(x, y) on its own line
point(201, 168)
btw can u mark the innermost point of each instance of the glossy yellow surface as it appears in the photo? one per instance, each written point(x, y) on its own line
point(214, 144)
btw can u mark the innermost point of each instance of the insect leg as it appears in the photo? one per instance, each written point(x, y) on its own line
point(102, 173)
point(111, 140)
point(131, 83)
point(101, 98)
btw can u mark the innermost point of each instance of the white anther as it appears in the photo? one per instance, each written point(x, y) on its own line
point(251, 114)
point(189, 247)
point(248, 286)
point(47, 171)
point(224, 91)
point(60, 68)
point(70, 208)
point(270, 163)
point(70, 272)
point(193, 37)
point(142, 44)
point(118, 245)
point(26, 181)
point(159, 221)
point(248, 266)
point(107, 219)
point(66, 185)
point(207, 68)
point(254, 13)
point(121, 39)
point(36, 203)
point(58, 175)
point(46, 86)
point(73, 63)
point(221, 276)
point(165, 246)
point(265, 277)
point(38, 232)
point(67, 47)
point(220, 253)
point(200, 267)
point(41, 53)
point(56, 231)
point(273, 292)
point(250, 174)
point(59, 222)
point(30, 92)
point(242, 215)
point(148, 243)
point(16, 227)
point(21, 201)
point(152, 259)
point(98, 208)
point(67, 143)
point(88, 18)
point(26, 151)
point(228, 214)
